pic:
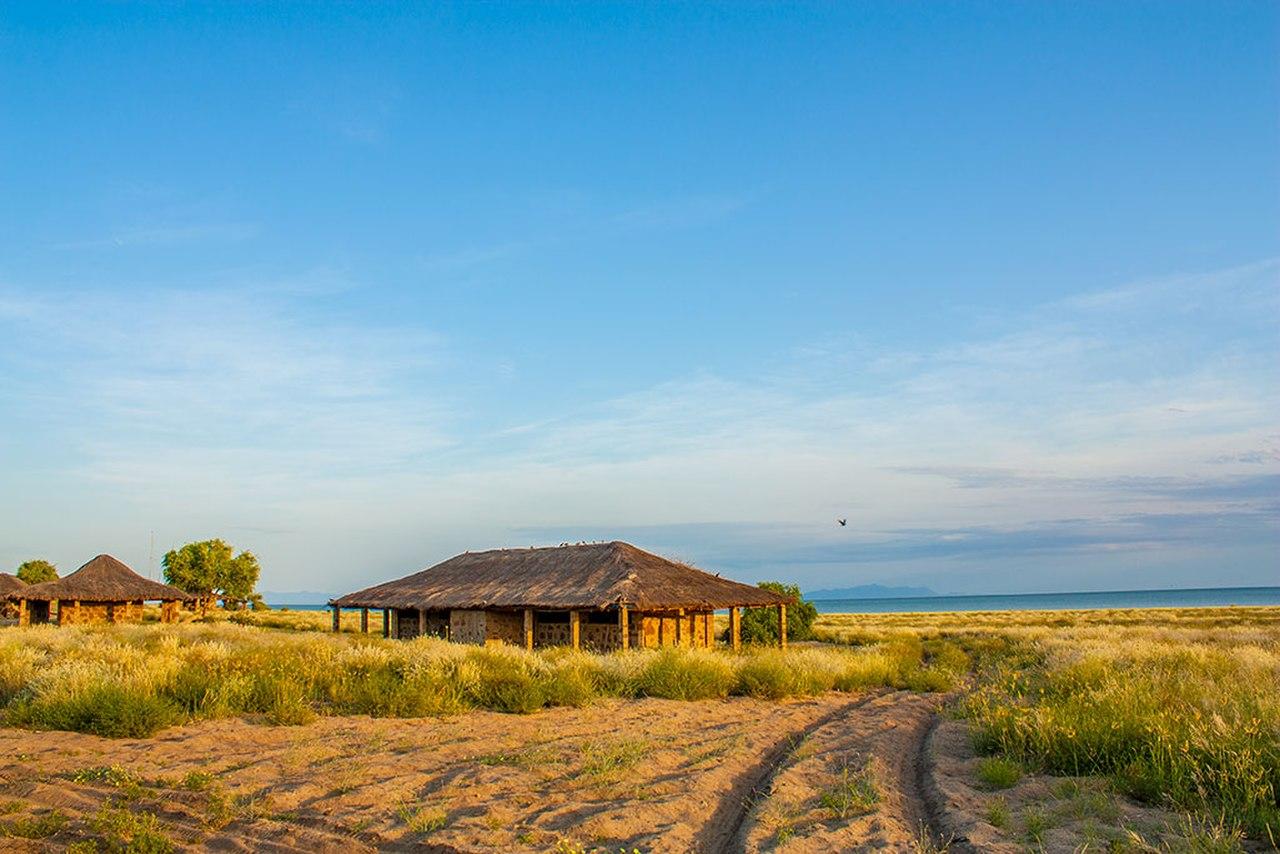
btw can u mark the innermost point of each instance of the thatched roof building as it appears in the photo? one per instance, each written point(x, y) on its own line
point(103, 590)
point(8, 584)
point(542, 596)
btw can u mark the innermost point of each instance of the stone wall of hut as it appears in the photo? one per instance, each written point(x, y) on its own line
point(405, 620)
point(88, 613)
point(467, 626)
point(504, 626)
point(694, 629)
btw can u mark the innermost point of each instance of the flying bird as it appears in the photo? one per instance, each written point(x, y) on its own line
point(843, 522)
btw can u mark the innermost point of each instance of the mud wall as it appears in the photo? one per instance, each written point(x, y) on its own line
point(505, 627)
point(467, 626)
point(87, 613)
point(436, 623)
point(695, 629)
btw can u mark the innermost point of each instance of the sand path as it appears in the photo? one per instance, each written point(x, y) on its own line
point(653, 775)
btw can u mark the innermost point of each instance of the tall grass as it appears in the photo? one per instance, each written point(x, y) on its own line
point(1177, 706)
point(132, 680)
point(1172, 720)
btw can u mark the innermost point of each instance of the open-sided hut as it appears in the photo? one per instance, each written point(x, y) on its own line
point(104, 590)
point(9, 584)
point(602, 596)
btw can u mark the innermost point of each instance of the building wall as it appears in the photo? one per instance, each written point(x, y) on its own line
point(87, 613)
point(467, 626)
point(504, 626)
point(645, 630)
point(406, 623)
point(694, 629)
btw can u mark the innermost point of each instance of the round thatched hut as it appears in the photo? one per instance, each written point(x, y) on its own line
point(602, 596)
point(9, 584)
point(104, 590)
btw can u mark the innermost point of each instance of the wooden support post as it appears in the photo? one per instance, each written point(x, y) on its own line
point(662, 629)
point(782, 626)
point(364, 620)
point(575, 630)
point(735, 629)
point(386, 622)
point(528, 628)
point(680, 632)
point(709, 629)
point(422, 622)
point(337, 618)
point(624, 627)
point(24, 613)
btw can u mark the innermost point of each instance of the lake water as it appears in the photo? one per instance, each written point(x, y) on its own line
point(1205, 597)
point(1200, 598)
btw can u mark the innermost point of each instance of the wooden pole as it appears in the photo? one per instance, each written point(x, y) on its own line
point(575, 630)
point(364, 620)
point(680, 632)
point(735, 629)
point(782, 626)
point(528, 628)
point(24, 615)
point(337, 618)
point(624, 627)
point(386, 622)
point(422, 622)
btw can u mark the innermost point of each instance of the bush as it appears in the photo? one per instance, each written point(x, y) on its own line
point(111, 710)
point(681, 674)
point(760, 625)
point(997, 773)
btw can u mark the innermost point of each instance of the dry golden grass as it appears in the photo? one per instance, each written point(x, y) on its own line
point(1176, 706)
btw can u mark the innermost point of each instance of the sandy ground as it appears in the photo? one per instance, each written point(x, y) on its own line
point(880, 771)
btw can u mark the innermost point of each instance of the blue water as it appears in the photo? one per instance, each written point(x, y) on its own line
point(1199, 598)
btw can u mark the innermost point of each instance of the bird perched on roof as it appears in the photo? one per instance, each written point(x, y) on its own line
point(843, 522)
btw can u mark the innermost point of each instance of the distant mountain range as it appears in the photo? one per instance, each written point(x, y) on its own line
point(869, 591)
point(296, 597)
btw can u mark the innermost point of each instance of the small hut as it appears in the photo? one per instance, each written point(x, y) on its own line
point(104, 590)
point(9, 584)
point(602, 596)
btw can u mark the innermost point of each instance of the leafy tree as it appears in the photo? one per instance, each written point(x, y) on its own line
point(760, 625)
point(37, 571)
point(209, 570)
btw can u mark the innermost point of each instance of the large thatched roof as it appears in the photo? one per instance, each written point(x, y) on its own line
point(10, 583)
point(600, 575)
point(103, 579)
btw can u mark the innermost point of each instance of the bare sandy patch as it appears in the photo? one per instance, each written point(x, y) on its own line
point(648, 774)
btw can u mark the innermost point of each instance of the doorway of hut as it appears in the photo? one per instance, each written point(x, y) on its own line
point(39, 611)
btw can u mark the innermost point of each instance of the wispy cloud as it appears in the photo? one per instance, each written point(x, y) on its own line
point(167, 235)
point(1082, 440)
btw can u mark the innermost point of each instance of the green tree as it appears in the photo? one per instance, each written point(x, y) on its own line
point(760, 625)
point(37, 571)
point(210, 570)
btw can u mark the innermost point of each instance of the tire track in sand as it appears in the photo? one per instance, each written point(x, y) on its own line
point(885, 735)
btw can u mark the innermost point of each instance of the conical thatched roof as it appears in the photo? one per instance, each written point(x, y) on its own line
point(10, 583)
point(600, 575)
point(103, 579)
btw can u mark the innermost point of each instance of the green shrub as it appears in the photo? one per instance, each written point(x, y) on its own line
point(506, 682)
point(760, 625)
point(134, 832)
point(854, 793)
point(996, 773)
point(680, 674)
point(36, 827)
point(114, 711)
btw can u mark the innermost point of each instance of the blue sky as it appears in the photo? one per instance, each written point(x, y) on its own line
point(358, 287)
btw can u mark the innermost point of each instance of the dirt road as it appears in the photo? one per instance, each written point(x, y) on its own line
point(835, 773)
